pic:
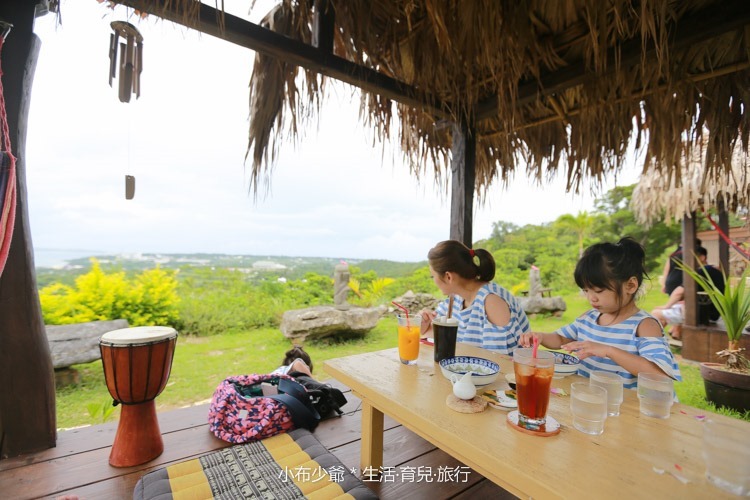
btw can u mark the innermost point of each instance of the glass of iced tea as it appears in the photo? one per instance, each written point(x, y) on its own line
point(408, 338)
point(533, 379)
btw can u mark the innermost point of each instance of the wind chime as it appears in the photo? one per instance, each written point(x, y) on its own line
point(131, 59)
point(131, 65)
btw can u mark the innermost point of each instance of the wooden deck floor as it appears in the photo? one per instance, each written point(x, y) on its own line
point(79, 464)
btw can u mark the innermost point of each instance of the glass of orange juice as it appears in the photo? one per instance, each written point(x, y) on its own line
point(408, 338)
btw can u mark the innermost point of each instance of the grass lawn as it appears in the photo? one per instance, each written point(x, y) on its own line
point(200, 363)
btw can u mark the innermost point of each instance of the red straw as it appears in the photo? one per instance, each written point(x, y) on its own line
point(535, 348)
point(406, 311)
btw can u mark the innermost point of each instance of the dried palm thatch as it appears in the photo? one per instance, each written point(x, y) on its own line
point(673, 197)
point(546, 85)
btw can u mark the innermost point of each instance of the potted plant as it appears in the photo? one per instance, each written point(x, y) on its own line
point(727, 384)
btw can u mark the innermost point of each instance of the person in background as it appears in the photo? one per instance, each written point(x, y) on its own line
point(673, 312)
point(488, 315)
point(671, 276)
point(295, 360)
point(615, 335)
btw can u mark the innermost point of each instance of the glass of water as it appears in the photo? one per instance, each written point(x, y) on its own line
point(612, 383)
point(588, 404)
point(656, 394)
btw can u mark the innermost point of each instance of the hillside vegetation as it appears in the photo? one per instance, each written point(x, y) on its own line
point(228, 308)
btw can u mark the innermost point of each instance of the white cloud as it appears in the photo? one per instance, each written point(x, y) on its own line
point(332, 195)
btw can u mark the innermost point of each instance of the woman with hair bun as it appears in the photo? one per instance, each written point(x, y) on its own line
point(488, 315)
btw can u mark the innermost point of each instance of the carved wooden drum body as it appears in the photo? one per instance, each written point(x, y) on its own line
point(137, 363)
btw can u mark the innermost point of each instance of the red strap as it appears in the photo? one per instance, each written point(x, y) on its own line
point(726, 238)
point(8, 198)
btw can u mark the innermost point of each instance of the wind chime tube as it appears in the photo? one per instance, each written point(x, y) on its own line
point(125, 83)
point(112, 57)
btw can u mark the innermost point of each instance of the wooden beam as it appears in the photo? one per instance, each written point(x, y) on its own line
point(249, 35)
point(463, 167)
point(27, 393)
point(688, 257)
point(690, 30)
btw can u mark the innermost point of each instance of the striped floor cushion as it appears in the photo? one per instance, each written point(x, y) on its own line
point(289, 466)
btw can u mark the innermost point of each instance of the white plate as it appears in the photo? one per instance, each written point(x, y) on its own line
point(503, 402)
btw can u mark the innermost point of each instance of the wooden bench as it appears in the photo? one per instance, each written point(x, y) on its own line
point(545, 292)
point(78, 342)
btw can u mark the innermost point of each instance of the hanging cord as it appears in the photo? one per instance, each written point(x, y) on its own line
point(7, 178)
point(727, 238)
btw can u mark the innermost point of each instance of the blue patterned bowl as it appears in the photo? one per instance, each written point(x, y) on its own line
point(483, 371)
point(565, 363)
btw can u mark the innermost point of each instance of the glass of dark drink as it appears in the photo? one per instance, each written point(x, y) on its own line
point(533, 380)
point(444, 331)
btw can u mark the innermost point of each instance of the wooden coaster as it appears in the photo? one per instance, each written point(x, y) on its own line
point(474, 405)
point(551, 428)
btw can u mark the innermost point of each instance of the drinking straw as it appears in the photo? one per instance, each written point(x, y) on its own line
point(406, 311)
point(535, 348)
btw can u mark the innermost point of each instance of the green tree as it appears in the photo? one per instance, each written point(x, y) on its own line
point(580, 224)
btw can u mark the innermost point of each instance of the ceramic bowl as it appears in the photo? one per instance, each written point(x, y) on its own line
point(483, 370)
point(565, 363)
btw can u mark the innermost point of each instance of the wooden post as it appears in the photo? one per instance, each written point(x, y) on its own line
point(27, 392)
point(463, 168)
point(688, 257)
point(723, 245)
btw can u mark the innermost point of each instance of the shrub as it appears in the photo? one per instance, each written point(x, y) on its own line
point(149, 299)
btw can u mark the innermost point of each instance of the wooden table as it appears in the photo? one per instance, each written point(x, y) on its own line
point(544, 292)
point(619, 463)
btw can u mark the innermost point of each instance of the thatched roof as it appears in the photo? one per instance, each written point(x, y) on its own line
point(660, 196)
point(546, 85)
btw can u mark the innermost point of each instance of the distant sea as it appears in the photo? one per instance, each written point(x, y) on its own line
point(56, 258)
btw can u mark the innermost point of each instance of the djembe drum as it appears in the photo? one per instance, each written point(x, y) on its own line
point(137, 362)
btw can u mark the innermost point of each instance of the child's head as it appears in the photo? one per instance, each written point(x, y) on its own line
point(294, 353)
point(455, 257)
point(609, 266)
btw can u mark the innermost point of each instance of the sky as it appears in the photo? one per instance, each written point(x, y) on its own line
point(336, 192)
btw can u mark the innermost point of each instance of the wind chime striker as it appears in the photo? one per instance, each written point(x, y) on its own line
point(131, 59)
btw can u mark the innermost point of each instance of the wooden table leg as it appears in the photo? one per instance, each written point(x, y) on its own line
point(371, 457)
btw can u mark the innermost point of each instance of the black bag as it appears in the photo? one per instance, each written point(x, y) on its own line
point(327, 400)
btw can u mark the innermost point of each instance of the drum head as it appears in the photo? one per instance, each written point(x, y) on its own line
point(138, 335)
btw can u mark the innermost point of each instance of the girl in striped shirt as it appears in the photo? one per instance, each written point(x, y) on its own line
point(615, 335)
point(488, 315)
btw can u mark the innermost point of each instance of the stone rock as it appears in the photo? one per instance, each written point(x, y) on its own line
point(324, 321)
point(415, 302)
point(534, 305)
point(79, 342)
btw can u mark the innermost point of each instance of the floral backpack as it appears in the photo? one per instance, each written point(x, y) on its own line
point(240, 412)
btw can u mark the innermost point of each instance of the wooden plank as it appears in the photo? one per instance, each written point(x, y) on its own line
point(50, 477)
point(250, 35)
point(88, 438)
point(485, 489)
point(402, 447)
point(463, 168)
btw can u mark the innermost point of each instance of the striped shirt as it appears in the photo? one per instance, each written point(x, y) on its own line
point(475, 328)
point(623, 336)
